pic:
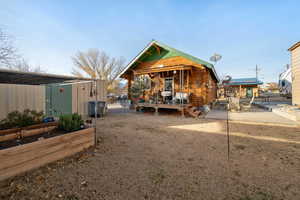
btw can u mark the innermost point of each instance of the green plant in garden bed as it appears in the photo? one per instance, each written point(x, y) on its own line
point(70, 122)
point(17, 119)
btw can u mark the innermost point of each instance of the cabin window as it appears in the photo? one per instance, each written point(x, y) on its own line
point(209, 83)
point(147, 82)
point(168, 84)
point(144, 81)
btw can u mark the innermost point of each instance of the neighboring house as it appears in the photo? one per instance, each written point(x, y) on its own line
point(285, 83)
point(242, 87)
point(270, 87)
point(174, 79)
point(295, 62)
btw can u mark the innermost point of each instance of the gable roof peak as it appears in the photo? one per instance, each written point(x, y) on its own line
point(177, 52)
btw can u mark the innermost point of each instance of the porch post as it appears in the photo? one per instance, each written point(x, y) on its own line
point(188, 86)
point(129, 86)
point(158, 88)
point(181, 90)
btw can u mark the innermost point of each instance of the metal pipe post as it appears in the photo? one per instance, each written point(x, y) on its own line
point(96, 105)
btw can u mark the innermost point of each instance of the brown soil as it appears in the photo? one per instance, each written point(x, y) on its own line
point(26, 140)
point(141, 156)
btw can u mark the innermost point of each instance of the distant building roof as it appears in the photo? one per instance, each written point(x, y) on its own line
point(245, 81)
point(294, 46)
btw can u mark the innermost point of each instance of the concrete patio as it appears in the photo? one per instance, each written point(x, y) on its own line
point(258, 117)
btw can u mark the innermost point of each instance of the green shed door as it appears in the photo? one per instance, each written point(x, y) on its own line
point(58, 100)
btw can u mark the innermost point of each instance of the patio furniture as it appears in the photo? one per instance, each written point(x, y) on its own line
point(181, 97)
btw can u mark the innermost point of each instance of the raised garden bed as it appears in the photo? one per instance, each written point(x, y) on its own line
point(40, 144)
point(15, 134)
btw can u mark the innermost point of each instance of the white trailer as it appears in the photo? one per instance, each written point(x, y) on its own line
point(285, 82)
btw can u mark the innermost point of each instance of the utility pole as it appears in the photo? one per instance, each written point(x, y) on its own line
point(256, 71)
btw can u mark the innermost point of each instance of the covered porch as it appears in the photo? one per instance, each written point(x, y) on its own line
point(162, 87)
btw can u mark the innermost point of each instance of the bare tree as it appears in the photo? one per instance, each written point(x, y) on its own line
point(9, 57)
point(7, 50)
point(22, 65)
point(98, 64)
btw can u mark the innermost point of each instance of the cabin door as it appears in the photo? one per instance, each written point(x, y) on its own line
point(169, 86)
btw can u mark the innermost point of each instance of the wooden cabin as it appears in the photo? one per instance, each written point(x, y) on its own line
point(295, 62)
point(241, 87)
point(173, 79)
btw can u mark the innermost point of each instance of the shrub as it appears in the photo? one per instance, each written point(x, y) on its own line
point(70, 122)
point(17, 119)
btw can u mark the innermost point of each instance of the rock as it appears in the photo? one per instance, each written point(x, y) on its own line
point(83, 183)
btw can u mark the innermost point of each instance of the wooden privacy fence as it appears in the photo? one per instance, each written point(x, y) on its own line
point(19, 159)
point(21, 97)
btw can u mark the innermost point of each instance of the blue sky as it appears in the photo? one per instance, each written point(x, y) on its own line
point(245, 33)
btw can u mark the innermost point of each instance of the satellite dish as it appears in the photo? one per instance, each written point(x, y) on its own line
point(227, 79)
point(215, 58)
point(287, 66)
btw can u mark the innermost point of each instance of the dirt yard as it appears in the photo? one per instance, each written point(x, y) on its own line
point(141, 156)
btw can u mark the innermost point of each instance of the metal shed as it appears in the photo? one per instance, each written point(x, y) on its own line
point(72, 98)
point(53, 94)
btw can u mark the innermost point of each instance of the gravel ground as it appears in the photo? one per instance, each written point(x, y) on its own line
point(141, 156)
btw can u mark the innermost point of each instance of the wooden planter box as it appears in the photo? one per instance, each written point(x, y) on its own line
point(15, 133)
point(20, 159)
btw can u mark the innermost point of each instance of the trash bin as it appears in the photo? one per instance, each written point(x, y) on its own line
point(101, 107)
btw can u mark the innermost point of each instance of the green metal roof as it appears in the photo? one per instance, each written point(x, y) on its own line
point(176, 52)
point(167, 52)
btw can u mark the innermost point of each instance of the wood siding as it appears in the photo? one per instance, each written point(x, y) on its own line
point(203, 87)
point(295, 60)
point(19, 159)
point(21, 97)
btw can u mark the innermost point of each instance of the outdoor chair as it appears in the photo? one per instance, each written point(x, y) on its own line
point(181, 96)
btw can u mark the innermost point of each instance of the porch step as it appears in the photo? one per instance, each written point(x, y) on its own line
point(193, 111)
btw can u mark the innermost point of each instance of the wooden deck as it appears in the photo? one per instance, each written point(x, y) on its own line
point(179, 107)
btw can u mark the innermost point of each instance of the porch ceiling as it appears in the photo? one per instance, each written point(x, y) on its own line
point(161, 69)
